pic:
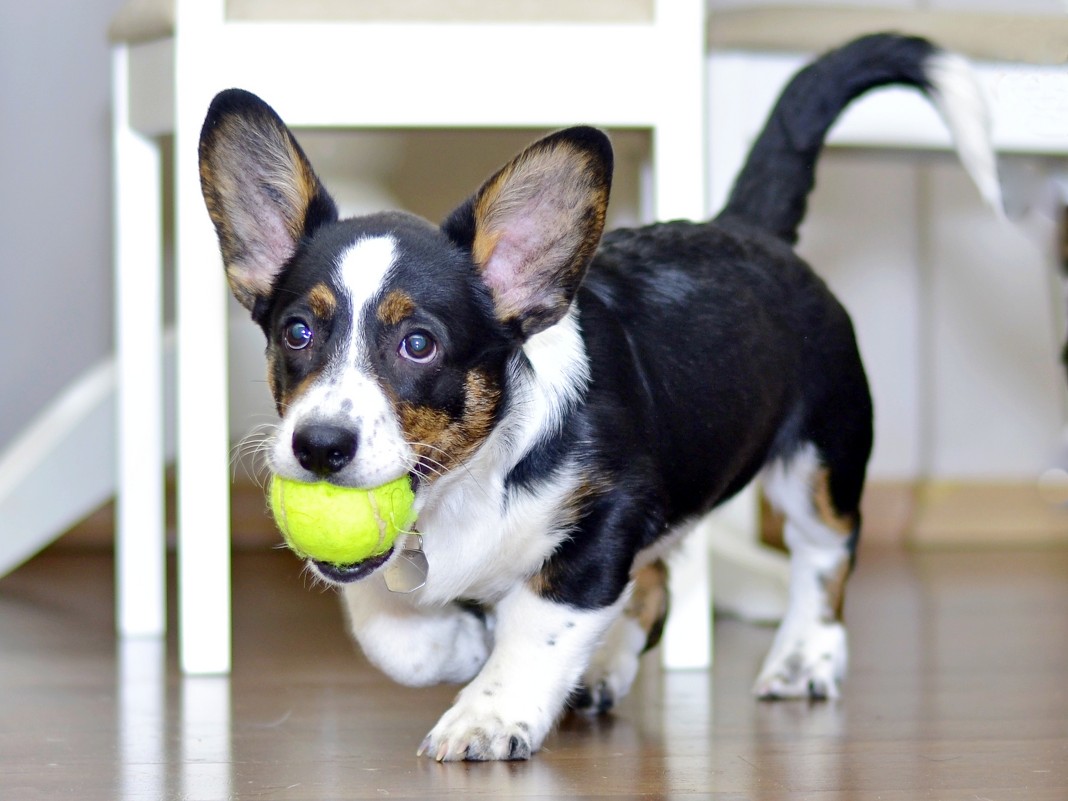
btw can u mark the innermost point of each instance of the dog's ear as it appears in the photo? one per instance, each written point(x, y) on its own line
point(261, 192)
point(534, 226)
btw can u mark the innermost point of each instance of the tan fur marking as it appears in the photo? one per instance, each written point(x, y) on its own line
point(515, 187)
point(485, 241)
point(481, 401)
point(294, 178)
point(323, 301)
point(247, 291)
point(272, 383)
point(422, 425)
point(518, 192)
point(288, 397)
point(648, 603)
point(395, 307)
point(833, 583)
point(824, 505)
point(590, 489)
point(442, 441)
point(539, 584)
point(253, 249)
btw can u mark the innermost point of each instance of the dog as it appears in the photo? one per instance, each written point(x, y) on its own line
point(566, 402)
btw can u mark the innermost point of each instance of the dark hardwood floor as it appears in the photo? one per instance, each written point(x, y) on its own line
point(958, 690)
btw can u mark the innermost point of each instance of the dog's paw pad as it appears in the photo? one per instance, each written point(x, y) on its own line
point(496, 741)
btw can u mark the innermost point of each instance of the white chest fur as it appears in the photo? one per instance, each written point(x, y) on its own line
point(480, 537)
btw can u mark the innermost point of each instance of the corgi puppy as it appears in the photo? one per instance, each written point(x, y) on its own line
point(566, 402)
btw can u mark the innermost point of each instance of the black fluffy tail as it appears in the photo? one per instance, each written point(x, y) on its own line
point(773, 186)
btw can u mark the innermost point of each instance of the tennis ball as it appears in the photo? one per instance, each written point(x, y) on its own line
point(341, 525)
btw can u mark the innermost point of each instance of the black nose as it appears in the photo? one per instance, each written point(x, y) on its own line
point(323, 449)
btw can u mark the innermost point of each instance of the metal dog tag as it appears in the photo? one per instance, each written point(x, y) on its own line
point(408, 571)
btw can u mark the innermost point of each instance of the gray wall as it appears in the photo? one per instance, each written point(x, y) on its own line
point(55, 278)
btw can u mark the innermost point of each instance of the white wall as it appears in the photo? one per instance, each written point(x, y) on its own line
point(995, 386)
point(872, 264)
point(955, 315)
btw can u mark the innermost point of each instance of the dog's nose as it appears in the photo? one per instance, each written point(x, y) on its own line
point(323, 449)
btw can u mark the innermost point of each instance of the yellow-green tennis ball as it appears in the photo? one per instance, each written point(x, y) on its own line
point(341, 525)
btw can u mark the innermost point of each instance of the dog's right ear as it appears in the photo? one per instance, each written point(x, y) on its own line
point(261, 192)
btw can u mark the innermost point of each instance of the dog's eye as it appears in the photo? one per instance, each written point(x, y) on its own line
point(418, 347)
point(297, 335)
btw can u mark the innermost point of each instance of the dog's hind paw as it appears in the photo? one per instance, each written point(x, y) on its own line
point(814, 682)
point(595, 700)
point(810, 667)
point(612, 670)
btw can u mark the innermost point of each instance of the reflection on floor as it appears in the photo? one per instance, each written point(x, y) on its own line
point(957, 691)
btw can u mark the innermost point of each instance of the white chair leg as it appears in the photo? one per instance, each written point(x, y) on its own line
point(203, 457)
point(140, 544)
point(203, 424)
point(679, 177)
point(203, 437)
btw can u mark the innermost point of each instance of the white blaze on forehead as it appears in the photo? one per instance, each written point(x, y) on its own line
point(364, 267)
point(348, 394)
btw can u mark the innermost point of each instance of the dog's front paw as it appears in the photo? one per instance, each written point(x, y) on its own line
point(809, 664)
point(507, 711)
point(417, 646)
point(467, 732)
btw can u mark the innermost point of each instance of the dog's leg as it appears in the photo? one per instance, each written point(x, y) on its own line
point(541, 650)
point(615, 664)
point(414, 645)
point(808, 656)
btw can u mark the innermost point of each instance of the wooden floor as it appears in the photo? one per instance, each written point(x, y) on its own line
point(959, 690)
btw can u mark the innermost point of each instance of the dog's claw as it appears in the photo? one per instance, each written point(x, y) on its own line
point(813, 667)
point(478, 745)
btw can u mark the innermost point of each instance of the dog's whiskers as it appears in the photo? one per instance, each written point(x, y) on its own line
point(252, 452)
point(313, 581)
point(438, 468)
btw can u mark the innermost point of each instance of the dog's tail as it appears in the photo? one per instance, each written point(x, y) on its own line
point(773, 186)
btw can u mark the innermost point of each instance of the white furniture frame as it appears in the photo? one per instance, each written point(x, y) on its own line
point(406, 75)
point(1021, 59)
point(352, 76)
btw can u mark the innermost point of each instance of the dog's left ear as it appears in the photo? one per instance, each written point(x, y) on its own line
point(534, 226)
